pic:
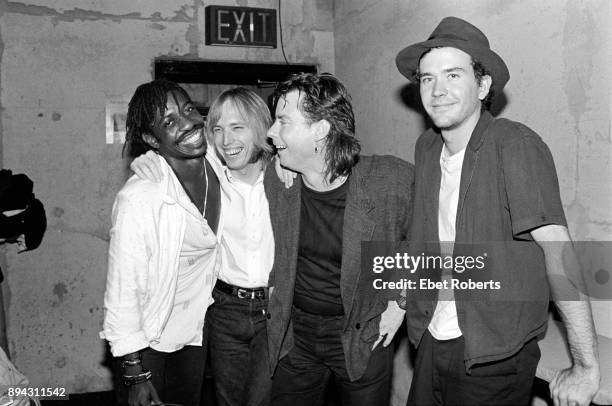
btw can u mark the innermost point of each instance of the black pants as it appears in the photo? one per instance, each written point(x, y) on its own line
point(317, 356)
point(177, 376)
point(440, 377)
point(239, 350)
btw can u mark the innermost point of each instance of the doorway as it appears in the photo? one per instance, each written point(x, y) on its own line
point(204, 80)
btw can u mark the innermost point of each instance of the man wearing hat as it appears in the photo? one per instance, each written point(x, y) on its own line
point(493, 181)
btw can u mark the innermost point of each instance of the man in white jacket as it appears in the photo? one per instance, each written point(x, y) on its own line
point(164, 252)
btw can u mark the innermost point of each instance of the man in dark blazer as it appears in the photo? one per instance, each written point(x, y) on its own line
point(325, 318)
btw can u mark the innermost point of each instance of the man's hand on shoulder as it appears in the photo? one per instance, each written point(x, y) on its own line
point(147, 167)
point(285, 175)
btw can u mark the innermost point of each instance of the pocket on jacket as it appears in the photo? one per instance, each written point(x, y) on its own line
point(370, 329)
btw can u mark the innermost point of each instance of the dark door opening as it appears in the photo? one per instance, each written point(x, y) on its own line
point(204, 80)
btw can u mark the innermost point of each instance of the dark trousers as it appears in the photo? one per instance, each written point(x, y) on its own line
point(317, 356)
point(239, 350)
point(177, 376)
point(440, 377)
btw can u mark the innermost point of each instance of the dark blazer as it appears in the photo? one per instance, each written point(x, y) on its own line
point(378, 208)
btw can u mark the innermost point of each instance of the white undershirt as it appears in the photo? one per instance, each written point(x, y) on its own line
point(444, 325)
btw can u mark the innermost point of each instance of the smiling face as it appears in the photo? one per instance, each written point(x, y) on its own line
point(450, 92)
point(179, 134)
point(294, 138)
point(235, 139)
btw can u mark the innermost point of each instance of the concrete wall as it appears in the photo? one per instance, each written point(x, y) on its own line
point(558, 53)
point(60, 61)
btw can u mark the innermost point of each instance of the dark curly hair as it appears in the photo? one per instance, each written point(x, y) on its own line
point(324, 97)
point(147, 105)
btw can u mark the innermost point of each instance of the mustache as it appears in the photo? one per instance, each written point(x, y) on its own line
point(196, 127)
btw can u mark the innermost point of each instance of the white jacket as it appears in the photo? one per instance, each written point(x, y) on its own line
point(148, 226)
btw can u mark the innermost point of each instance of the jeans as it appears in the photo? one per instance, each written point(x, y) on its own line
point(440, 377)
point(239, 350)
point(317, 356)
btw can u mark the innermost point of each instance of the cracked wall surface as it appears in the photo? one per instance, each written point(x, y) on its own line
point(558, 53)
point(60, 62)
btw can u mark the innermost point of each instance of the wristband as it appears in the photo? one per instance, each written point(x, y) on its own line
point(129, 380)
point(130, 362)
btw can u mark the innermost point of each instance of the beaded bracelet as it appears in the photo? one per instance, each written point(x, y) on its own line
point(130, 362)
point(129, 380)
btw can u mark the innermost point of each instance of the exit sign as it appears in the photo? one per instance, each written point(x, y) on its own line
point(241, 26)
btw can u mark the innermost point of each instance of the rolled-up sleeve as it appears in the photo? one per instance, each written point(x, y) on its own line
point(127, 266)
point(532, 187)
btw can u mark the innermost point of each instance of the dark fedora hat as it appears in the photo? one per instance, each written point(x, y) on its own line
point(457, 33)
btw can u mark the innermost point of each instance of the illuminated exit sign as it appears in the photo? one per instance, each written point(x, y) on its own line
point(241, 26)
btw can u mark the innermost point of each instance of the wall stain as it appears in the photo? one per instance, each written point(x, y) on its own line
point(353, 15)
point(580, 214)
point(59, 290)
point(61, 362)
point(193, 38)
point(89, 15)
point(157, 26)
point(56, 116)
point(579, 45)
point(181, 14)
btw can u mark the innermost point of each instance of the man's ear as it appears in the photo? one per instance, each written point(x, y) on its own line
point(151, 140)
point(484, 86)
point(322, 128)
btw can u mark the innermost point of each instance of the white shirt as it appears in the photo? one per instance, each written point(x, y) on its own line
point(247, 243)
point(198, 256)
point(444, 325)
point(163, 261)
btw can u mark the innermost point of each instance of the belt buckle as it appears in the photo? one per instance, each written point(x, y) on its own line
point(245, 294)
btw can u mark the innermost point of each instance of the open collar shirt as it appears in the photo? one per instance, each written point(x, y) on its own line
point(154, 295)
point(247, 243)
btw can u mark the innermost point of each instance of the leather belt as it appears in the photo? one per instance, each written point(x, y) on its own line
point(241, 293)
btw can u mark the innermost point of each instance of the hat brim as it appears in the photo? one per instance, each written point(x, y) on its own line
point(407, 59)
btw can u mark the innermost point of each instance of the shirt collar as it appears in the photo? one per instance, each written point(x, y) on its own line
point(477, 136)
point(233, 180)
